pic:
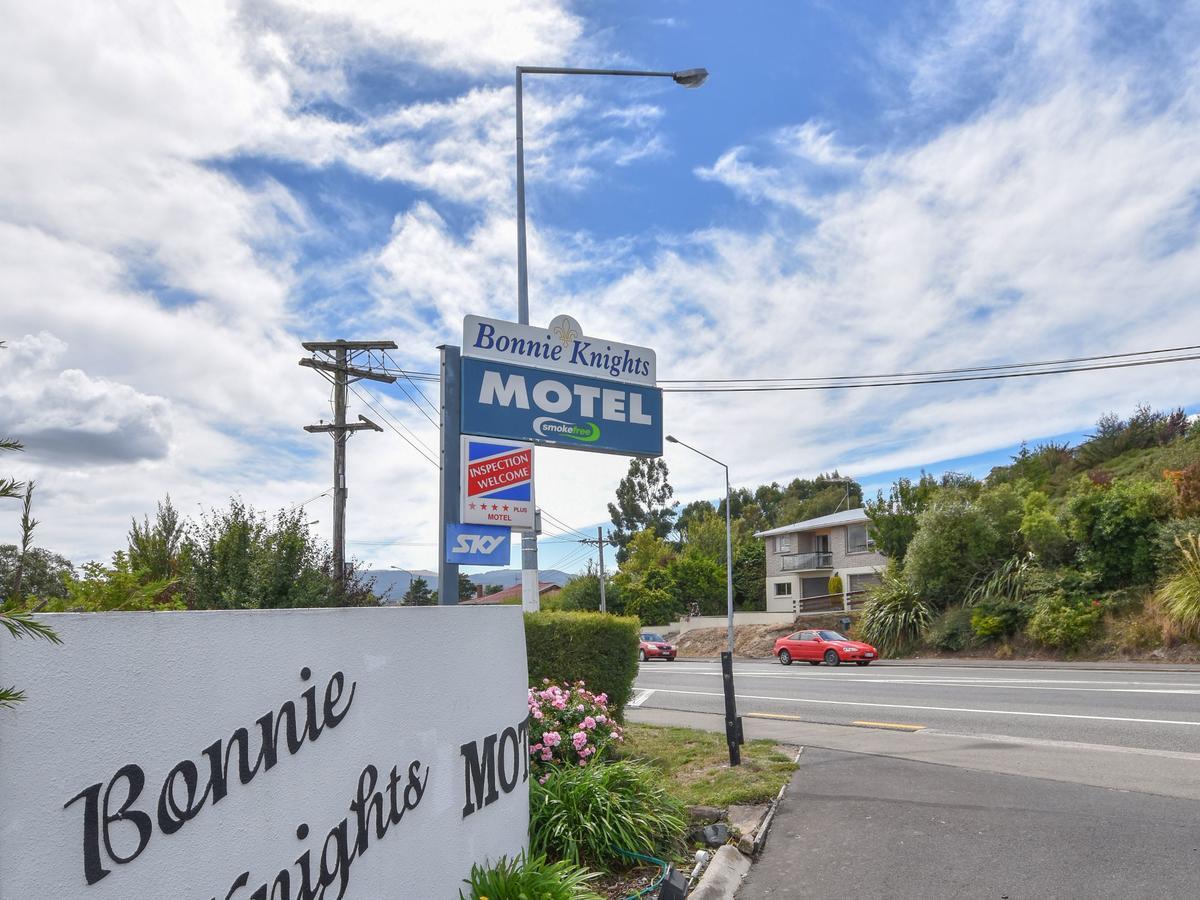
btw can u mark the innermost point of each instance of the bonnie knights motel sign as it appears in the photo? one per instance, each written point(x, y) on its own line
point(559, 387)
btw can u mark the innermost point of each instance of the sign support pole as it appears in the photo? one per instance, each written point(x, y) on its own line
point(451, 449)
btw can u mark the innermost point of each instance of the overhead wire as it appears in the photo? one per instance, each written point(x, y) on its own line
point(387, 421)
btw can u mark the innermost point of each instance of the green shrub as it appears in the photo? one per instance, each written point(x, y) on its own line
point(951, 631)
point(992, 620)
point(1116, 526)
point(529, 878)
point(1062, 622)
point(586, 814)
point(652, 606)
point(597, 649)
point(1179, 593)
point(1167, 555)
point(955, 543)
point(835, 585)
point(894, 616)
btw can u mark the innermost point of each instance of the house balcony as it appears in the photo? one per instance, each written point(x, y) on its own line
point(804, 562)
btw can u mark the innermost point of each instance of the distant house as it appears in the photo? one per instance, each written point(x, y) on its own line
point(510, 595)
point(802, 557)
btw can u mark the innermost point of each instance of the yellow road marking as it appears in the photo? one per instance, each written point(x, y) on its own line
point(900, 726)
point(773, 716)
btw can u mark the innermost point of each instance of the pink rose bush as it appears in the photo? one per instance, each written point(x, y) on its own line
point(568, 725)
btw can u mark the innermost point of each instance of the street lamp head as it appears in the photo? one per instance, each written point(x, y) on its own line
point(690, 78)
point(672, 439)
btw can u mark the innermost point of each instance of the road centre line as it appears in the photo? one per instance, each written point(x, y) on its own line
point(778, 672)
point(1011, 684)
point(989, 712)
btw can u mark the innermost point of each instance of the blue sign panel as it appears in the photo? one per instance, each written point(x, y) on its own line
point(477, 545)
point(560, 408)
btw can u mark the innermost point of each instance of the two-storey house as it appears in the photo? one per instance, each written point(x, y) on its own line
point(802, 557)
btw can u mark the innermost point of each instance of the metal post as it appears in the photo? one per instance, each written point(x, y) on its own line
point(451, 450)
point(733, 725)
point(522, 261)
point(600, 548)
point(728, 561)
point(341, 380)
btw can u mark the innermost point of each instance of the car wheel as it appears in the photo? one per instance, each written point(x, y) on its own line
point(814, 662)
point(785, 657)
point(641, 656)
point(832, 658)
point(865, 662)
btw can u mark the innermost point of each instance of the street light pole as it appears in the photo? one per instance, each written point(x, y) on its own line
point(733, 723)
point(687, 78)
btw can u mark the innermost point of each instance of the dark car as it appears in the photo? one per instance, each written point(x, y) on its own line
point(653, 646)
point(829, 647)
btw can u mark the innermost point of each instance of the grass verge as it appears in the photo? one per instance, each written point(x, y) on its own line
point(696, 764)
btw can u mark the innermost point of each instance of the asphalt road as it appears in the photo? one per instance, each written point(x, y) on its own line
point(1136, 708)
point(995, 781)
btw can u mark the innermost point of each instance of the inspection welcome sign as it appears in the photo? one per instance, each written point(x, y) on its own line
point(559, 387)
point(263, 755)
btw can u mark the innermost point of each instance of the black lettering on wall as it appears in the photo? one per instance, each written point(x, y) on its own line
point(509, 759)
point(476, 771)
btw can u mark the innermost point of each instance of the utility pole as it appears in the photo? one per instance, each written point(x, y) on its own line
point(336, 361)
point(599, 542)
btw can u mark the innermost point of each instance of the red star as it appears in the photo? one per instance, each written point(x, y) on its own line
point(494, 506)
point(506, 508)
point(472, 506)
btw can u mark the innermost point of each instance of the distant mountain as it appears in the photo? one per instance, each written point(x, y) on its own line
point(392, 584)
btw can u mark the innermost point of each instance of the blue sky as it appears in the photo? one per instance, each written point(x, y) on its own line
point(188, 191)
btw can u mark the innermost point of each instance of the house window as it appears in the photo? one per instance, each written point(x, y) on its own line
point(783, 543)
point(857, 539)
point(783, 589)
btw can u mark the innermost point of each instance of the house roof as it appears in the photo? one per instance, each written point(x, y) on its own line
point(509, 594)
point(846, 517)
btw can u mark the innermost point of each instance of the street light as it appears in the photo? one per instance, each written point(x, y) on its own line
point(733, 725)
point(689, 78)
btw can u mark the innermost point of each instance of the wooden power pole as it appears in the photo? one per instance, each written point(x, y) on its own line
point(336, 361)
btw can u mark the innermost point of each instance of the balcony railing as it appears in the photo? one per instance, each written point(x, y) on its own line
point(827, 603)
point(797, 562)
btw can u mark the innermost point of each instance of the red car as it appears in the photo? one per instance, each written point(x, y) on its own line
point(829, 647)
point(654, 647)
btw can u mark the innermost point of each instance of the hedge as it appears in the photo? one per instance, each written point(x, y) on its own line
point(596, 648)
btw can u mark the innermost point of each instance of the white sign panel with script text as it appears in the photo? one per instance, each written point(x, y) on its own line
point(561, 347)
point(263, 755)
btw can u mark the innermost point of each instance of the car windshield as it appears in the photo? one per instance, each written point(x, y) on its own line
point(831, 636)
point(653, 638)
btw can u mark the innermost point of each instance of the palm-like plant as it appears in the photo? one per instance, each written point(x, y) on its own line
point(895, 616)
point(1179, 592)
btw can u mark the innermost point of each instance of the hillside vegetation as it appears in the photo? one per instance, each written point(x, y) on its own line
point(1067, 550)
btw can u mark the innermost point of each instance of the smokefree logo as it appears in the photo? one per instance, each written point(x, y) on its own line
point(588, 432)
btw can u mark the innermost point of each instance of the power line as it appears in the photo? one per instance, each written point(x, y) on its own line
point(757, 385)
point(408, 377)
point(388, 420)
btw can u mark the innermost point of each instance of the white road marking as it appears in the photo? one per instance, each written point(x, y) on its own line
point(639, 698)
point(1016, 684)
point(988, 712)
point(1068, 745)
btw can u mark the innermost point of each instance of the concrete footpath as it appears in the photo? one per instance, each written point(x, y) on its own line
point(854, 824)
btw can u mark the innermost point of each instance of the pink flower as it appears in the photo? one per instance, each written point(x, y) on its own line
point(543, 779)
point(582, 763)
point(602, 699)
point(552, 738)
point(589, 723)
point(537, 713)
point(600, 720)
point(579, 739)
point(547, 754)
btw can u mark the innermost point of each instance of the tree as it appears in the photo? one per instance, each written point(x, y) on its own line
point(643, 502)
point(646, 552)
point(1043, 532)
point(750, 574)
point(156, 549)
point(894, 520)
point(43, 573)
point(956, 543)
point(466, 587)
point(1115, 526)
point(117, 588)
point(418, 593)
point(698, 579)
point(692, 513)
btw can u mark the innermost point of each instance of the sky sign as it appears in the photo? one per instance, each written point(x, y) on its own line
point(553, 386)
point(497, 482)
point(477, 545)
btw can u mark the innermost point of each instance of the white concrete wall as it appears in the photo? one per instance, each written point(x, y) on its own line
point(129, 696)
point(739, 618)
